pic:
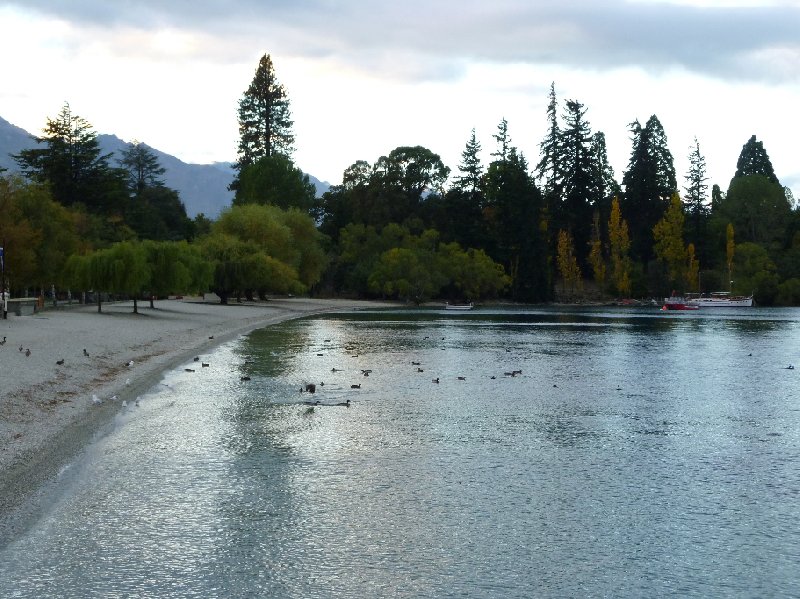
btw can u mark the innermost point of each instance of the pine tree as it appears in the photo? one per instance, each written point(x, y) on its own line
point(142, 167)
point(73, 164)
point(265, 123)
point(503, 141)
point(580, 186)
point(696, 200)
point(649, 184)
point(549, 170)
point(470, 167)
point(606, 186)
point(753, 160)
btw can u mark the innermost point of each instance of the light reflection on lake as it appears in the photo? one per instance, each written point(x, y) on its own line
point(636, 454)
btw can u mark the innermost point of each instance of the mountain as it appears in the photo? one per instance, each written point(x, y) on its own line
point(202, 187)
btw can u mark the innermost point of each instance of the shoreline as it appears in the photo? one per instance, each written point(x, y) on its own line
point(47, 412)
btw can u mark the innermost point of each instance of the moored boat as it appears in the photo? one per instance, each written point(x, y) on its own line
point(720, 299)
point(678, 302)
point(449, 306)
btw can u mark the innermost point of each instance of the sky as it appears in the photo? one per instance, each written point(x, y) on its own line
point(364, 77)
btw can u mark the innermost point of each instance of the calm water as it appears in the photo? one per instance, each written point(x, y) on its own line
point(637, 454)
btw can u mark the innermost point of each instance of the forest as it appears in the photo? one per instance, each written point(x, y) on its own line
point(405, 226)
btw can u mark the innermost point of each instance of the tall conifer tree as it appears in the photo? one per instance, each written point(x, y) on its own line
point(265, 123)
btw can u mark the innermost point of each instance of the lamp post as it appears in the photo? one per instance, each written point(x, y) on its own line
point(3, 300)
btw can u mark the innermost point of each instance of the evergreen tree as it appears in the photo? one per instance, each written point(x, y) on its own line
point(73, 165)
point(142, 167)
point(606, 186)
point(580, 185)
point(649, 184)
point(549, 171)
point(471, 169)
point(753, 160)
point(265, 123)
point(503, 141)
point(695, 200)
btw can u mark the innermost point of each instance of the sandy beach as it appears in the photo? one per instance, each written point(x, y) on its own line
point(50, 411)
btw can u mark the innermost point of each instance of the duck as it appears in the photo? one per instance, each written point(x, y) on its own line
point(311, 388)
point(189, 369)
point(355, 386)
point(204, 364)
point(3, 342)
point(245, 378)
point(436, 380)
point(346, 404)
point(27, 352)
point(60, 362)
point(197, 358)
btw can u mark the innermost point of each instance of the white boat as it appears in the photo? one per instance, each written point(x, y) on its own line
point(449, 306)
point(720, 299)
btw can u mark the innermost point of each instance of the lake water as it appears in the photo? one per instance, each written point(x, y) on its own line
point(637, 454)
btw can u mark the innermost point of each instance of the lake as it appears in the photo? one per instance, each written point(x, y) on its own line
point(562, 452)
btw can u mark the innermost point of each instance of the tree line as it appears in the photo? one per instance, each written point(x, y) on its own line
point(404, 226)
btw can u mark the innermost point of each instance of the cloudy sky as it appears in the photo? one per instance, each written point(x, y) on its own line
point(367, 76)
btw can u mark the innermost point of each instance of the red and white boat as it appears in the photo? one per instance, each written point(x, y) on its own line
point(678, 302)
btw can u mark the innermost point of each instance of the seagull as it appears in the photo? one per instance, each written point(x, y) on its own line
point(96, 400)
point(124, 404)
point(127, 381)
point(129, 364)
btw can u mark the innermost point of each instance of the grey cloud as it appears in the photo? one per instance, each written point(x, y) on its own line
point(424, 39)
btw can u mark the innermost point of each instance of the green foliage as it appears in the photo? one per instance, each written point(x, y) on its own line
point(275, 180)
point(754, 272)
point(758, 209)
point(753, 160)
point(789, 292)
point(176, 267)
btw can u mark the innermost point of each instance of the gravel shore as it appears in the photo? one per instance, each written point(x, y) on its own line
point(47, 410)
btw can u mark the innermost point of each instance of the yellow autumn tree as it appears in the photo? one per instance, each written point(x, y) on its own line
point(668, 236)
point(568, 264)
point(692, 269)
point(596, 253)
point(619, 245)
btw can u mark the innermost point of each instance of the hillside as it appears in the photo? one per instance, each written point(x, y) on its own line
point(202, 187)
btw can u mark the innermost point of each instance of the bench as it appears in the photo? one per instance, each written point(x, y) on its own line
point(23, 306)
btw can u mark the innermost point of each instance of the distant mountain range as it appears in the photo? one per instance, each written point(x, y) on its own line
point(202, 187)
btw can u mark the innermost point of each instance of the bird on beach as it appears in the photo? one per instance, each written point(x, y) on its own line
point(197, 358)
point(129, 364)
point(189, 369)
point(96, 400)
point(211, 337)
point(204, 364)
point(21, 348)
point(355, 386)
point(3, 342)
point(85, 353)
point(245, 378)
point(27, 352)
point(60, 362)
point(436, 380)
point(346, 404)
